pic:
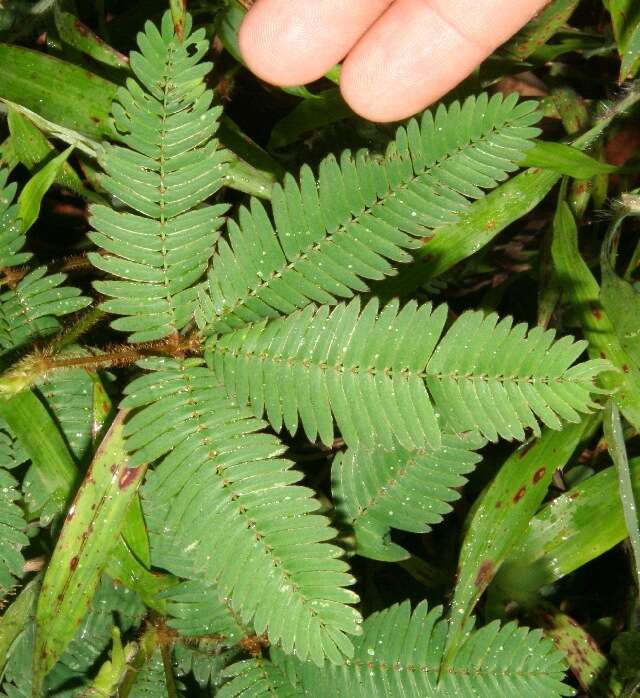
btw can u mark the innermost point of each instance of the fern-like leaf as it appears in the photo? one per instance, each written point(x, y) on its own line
point(195, 608)
point(12, 453)
point(205, 659)
point(12, 533)
point(69, 396)
point(170, 165)
point(332, 234)
point(400, 653)
point(409, 490)
point(151, 679)
point(222, 499)
point(12, 238)
point(380, 374)
point(30, 310)
point(29, 307)
point(258, 678)
point(16, 678)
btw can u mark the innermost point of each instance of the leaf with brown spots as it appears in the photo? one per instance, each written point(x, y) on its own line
point(565, 534)
point(83, 548)
point(586, 661)
point(494, 530)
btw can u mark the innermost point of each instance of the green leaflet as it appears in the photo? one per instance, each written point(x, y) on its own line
point(16, 618)
point(170, 165)
point(195, 608)
point(31, 195)
point(400, 652)
point(489, 216)
point(566, 160)
point(260, 676)
point(11, 231)
point(203, 659)
point(222, 507)
point(32, 302)
point(90, 530)
point(389, 374)
point(409, 490)
point(331, 235)
point(70, 397)
point(12, 533)
point(565, 534)
point(12, 452)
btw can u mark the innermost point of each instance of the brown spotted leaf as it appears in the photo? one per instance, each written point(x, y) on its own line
point(91, 528)
point(502, 517)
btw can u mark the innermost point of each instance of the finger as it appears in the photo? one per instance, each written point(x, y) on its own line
point(418, 50)
point(290, 42)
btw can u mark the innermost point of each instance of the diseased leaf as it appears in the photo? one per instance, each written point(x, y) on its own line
point(585, 659)
point(571, 530)
point(540, 29)
point(90, 531)
point(501, 517)
point(73, 32)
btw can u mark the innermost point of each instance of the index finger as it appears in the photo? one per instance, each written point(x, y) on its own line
point(418, 50)
point(290, 42)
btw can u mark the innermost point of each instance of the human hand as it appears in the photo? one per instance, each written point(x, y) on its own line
point(401, 55)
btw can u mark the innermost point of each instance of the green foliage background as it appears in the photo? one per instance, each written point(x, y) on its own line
point(296, 405)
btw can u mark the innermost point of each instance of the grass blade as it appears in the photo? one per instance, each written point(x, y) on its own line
point(501, 518)
point(573, 529)
point(51, 459)
point(91, 529)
